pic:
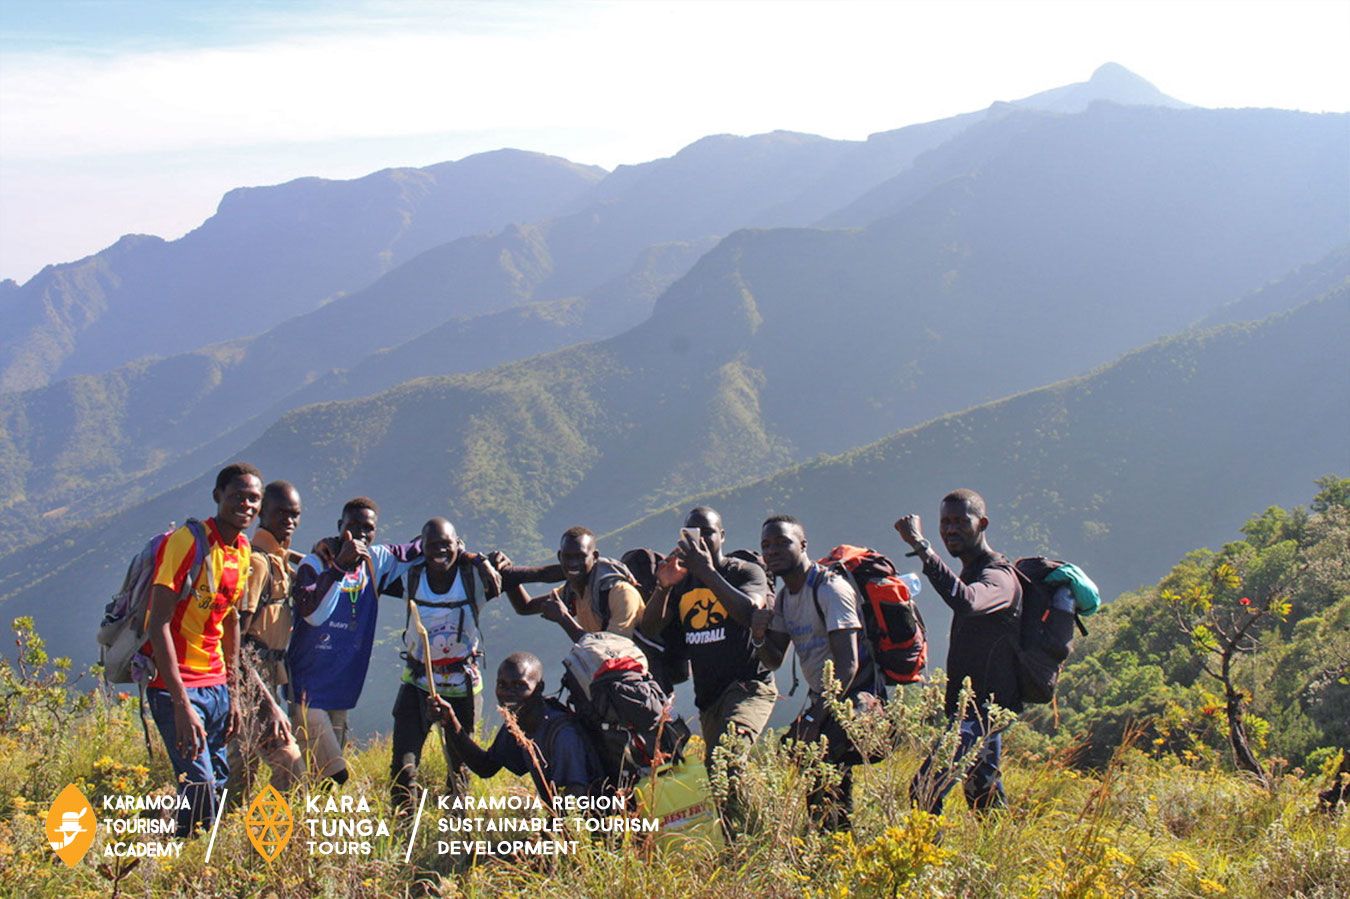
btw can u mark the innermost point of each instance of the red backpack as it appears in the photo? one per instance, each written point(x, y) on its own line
point(891, 619)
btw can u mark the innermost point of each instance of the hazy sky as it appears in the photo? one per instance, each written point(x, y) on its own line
point(119, 116)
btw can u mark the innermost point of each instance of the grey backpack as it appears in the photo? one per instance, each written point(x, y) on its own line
point(122, 634)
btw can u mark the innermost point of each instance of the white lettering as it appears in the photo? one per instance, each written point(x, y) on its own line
point(336, 805)
point(506, 847)
point(498, 803)
point(587, 804)
point(158, 803)
point(139, 825)
point(142, 850)
point(344, 827)
point(620, 825)
point(329, 848)
point(699, 638)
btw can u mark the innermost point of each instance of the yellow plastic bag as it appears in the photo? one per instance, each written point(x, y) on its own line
point(678, 797)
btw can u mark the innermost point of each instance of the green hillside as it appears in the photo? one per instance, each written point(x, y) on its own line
point(266, 255)
point(1168, 446)
point(92, 443)
point(1105, 469)
point(1140, 665)
point(1307, 282)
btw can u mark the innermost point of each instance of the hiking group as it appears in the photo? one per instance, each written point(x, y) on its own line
point(219, 630)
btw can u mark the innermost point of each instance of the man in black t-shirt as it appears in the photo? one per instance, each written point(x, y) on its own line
point(702, 607)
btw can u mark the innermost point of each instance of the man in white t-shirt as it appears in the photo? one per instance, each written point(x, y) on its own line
point(817, 612)
point(446, 590)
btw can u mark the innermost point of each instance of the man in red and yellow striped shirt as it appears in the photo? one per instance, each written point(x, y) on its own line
point(194, 636)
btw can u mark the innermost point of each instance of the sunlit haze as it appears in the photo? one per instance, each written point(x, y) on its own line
point(135, 117)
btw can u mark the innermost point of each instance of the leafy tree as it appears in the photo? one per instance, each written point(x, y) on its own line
point(1264, 669)
point(1222, 629)
point(1335, 492)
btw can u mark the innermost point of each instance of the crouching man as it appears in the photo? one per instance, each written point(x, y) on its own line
point(555, 753)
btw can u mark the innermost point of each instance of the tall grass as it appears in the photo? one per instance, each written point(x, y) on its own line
point(1143, 826)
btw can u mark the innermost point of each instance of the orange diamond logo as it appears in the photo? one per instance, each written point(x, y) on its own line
point(70, 825)
point(269, 823)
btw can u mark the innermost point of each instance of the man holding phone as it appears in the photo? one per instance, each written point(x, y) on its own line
point(703, 605)
point(599, 594)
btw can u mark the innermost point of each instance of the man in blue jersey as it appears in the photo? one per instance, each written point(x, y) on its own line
point(334, 631)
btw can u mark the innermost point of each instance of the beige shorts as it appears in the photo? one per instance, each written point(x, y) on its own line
point(322, 735)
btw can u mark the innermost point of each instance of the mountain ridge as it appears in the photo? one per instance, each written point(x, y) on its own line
point(1132, 446)
point(312, 206)
point(304, 241)
point(961, 246)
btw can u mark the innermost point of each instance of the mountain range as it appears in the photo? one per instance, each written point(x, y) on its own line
point(844, 330)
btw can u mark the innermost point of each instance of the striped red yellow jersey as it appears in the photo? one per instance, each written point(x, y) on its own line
point(197, 622)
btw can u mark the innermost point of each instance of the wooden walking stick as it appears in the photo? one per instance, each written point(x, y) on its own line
point(426, 645)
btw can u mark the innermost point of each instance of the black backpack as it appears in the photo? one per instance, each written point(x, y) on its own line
point(1049, 616)
point(754, 558)
point(668, 666)
point(621, 706)
point(547, 736)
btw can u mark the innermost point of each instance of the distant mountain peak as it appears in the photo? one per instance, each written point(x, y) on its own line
point(1111, 82)
point(1109, 71)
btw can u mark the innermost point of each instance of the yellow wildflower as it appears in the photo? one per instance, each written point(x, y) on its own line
point(1183, 860)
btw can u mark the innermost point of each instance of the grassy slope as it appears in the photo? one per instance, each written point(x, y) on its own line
point(1144, 826)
